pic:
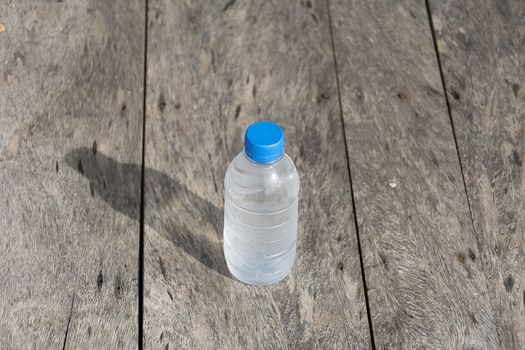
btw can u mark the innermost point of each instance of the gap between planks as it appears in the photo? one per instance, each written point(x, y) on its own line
point(443, 82)
point(368, 314)
point(140, 318)
point(449, 112)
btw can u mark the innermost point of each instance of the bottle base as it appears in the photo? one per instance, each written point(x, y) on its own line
point(258, 279)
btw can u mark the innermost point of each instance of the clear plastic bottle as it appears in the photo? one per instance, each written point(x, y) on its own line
point(261, 208)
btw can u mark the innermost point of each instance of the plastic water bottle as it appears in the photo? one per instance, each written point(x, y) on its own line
point(260, 208)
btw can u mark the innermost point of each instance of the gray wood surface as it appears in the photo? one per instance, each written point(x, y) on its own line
point(442, 236)
point(212, 70)
point(426, 285)
point(482, 46)
point(70, 118)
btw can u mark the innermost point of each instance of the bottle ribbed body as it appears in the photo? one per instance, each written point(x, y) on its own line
point(260, 219)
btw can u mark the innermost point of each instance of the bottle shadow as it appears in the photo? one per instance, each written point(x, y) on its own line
point(171, 209)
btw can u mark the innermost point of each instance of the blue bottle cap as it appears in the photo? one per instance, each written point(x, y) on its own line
point(264, 142)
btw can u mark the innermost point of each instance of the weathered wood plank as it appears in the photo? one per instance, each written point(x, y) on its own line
point(71, 92)
point(482, 45)
point(213, 70)
point(426, 288)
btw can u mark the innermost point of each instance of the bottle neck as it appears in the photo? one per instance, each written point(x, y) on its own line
point(263, 165)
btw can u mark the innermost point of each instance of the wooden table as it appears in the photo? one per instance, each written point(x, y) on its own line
point(406, 121)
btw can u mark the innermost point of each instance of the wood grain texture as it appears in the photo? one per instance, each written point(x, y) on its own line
point(426, 286)
point(481, 45)
point(71, 93)
point(212, 71)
